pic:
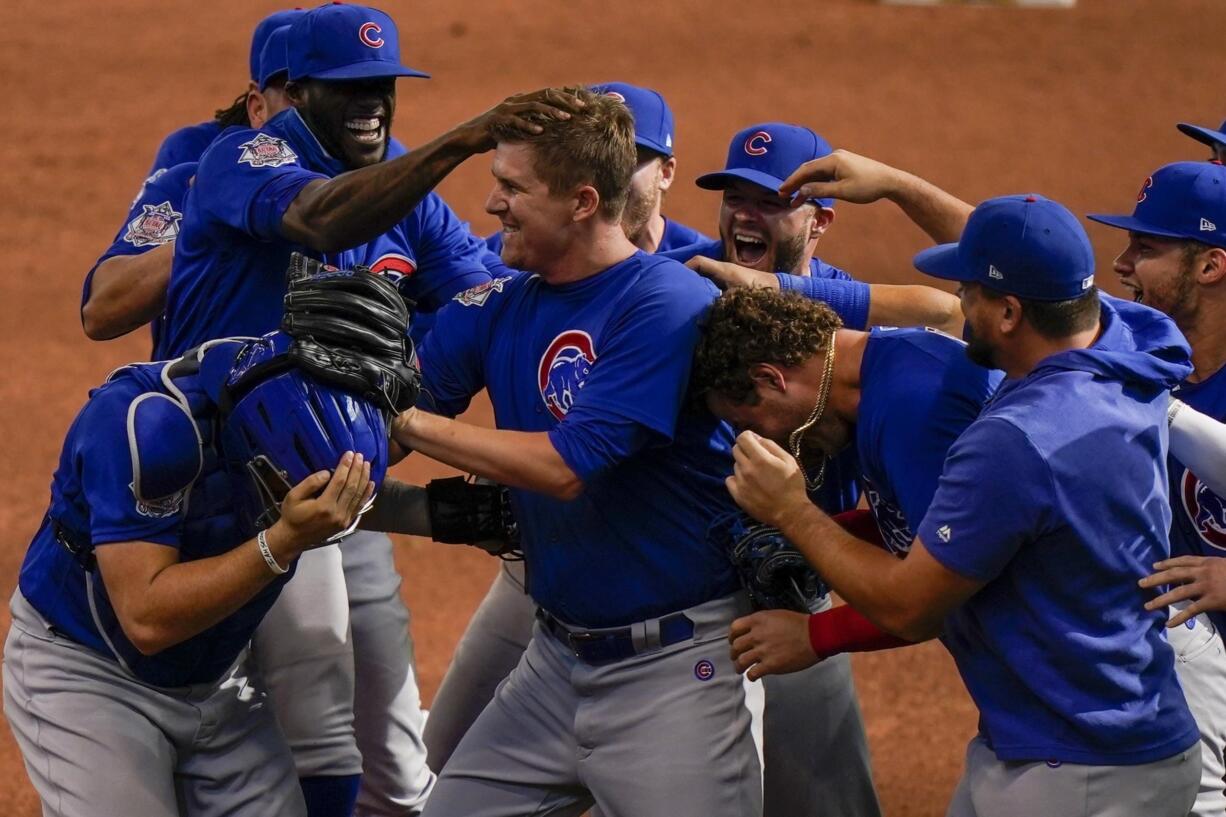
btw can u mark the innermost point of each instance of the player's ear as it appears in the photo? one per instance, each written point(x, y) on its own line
point(1010, 314)
point(823, 217)
point(668, 172)
point(1211, 266)
point(257, 107)
point(587, 202)
point(767, 378)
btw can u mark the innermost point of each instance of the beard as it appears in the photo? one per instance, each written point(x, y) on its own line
point(639, 210)
point(790, 255)
point(978, 350)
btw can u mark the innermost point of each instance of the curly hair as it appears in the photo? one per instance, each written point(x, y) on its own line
point(747, 326)
point(595, 146)
point(235, 114)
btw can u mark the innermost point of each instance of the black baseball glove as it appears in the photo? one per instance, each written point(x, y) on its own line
point(771, 569)
point(473, 511)
point(350, 328)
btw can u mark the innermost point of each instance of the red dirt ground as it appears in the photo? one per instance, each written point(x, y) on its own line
point(1079, 105)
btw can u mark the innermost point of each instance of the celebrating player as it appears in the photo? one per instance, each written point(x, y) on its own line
point(1028, 557)
point(898, 397)
point(1175, 262)
point(624, 697)
point(144, 583)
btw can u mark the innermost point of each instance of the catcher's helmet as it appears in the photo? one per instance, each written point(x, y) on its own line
point(278, 426)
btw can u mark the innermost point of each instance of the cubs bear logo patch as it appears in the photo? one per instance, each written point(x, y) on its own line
point(394, 266)
point(157, 225)
point(563, 370)
point(1205, 509)
point(478, 295)
point(266, 151)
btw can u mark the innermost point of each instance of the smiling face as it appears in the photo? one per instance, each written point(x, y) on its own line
point(351, 119)
point(761, 230)
point(1158, 272)
point(534, 221)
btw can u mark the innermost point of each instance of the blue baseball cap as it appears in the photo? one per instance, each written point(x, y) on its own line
point(263, 30)
point(766, 155)
point(274, 59)
point(1181, 200)
point(346, 42)
point(653, 119)
point(1207, 135)
point(1025, 245)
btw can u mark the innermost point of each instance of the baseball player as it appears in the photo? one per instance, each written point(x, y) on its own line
point(898, 397)
point(647, 227)
point(126, 287)
point(624, 697)
point(137, 598)
point(770, 239)
point(1027, 560)
point(1215, 139)
point(1175, 262)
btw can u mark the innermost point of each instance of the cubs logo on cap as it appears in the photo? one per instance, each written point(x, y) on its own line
point(1180, 200)
point(766, 155)
point(563, 370)
point(653, 119)
point(346, 42)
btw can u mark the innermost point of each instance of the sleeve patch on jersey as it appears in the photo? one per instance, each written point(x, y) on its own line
point(157, 225)
point(266, 151)
point(166, 454)
point(478, 295)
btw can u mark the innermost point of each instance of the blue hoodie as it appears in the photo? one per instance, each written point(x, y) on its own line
point(1056, 497)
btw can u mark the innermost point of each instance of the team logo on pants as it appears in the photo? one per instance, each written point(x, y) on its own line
point(266, 151)
point(1205, 509)
point(157, 225)
point(563, 370)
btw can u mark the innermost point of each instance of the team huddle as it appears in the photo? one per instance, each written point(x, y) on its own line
point(697, 440)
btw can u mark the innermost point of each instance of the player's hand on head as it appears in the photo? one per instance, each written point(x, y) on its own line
point(766, 481)
point(1199, 579)
point(841, 175)
point(324, 504)
point(521, 112)
point(727, 275)
point(771, 642)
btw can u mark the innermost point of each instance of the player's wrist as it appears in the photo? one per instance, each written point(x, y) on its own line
point(282, 545)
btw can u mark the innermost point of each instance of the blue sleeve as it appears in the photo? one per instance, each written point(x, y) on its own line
point(184, 145)
point(994, 495)
point(248, 179)
point(449, 257)
point(152, 221)
point(820, 269)
point(637, 384)
point(452, 366)
point(848, 298)
point(111, 470)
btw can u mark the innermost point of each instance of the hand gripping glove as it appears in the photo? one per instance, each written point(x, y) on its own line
point(771, 569)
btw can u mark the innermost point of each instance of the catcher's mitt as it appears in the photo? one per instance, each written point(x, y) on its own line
point(473, 512)
point(350, 328)
point(772, 570)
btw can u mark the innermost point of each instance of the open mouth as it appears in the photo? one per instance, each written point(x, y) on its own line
point(365, 130)
point(1138, 295)
point(750, 250)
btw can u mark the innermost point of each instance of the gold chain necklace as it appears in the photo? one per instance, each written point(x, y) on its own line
point(794, 439)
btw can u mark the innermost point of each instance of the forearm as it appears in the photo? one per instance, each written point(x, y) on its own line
point(399, 508)
point(355, 207)
point(126, 292)
point(914, 305)
point(520, 459)
point(865, 576)
point(937, 213)
point(1199, 442)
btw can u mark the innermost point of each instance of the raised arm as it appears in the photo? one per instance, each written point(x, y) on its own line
point(126, 292)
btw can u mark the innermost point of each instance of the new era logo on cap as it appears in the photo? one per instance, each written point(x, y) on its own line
point(995, 273)
point(1207, 226)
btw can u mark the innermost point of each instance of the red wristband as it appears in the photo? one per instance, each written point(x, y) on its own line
point(844, 629)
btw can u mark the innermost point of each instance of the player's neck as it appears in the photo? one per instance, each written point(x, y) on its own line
point(649, 238)
point(601, 246)
point(848, 359)
point(1207, 337)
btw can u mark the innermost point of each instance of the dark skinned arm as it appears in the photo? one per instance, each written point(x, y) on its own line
point(126, 292)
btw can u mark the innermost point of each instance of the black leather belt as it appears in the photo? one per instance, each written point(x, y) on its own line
point(598, 647)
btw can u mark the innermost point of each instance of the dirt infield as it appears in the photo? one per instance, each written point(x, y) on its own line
point(1077, 104)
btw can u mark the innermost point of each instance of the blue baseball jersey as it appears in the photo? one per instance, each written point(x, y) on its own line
point(600, 365)
point(918, 392)
point(1198, 524)
point(676, 235)
point(139, 464)
point(230, 258)
point(184, 145)
point(153, 220)
point(1056, 498)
